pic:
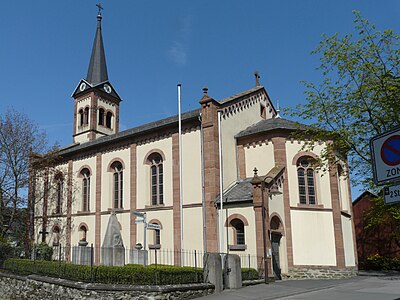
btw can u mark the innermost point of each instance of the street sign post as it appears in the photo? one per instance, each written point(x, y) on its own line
point(385, 150)
point(392, 194)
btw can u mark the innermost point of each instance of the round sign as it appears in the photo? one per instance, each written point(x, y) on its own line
point(390, 151)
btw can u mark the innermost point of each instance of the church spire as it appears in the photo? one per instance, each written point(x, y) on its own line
point(97, 71)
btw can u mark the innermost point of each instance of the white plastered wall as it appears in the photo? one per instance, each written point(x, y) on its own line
point(191, 167)
point(313, 242)
point(192, 229)
point(259, 156)
point(76, 234)
point(231, 125)
point(348, 241)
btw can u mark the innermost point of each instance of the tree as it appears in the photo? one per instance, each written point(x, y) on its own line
point(19, 137)
point(358, 98)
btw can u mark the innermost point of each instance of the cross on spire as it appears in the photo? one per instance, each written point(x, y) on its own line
point(100, 8)
point(257, 78)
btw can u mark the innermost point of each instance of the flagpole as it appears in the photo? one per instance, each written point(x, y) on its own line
point(180, 170)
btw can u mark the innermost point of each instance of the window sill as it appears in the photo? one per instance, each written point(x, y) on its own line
point(153, 206)
point(83, 212)
point(237, 247)
point(116, 209)
point(310, 205)
point(155, 246)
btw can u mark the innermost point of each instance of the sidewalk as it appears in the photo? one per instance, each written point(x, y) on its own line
point(279, 289)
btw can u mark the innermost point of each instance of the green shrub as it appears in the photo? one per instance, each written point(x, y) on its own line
point(130, 274)
point(249, 274)
point(5, 250)
point(43, 251)
point(377, 262)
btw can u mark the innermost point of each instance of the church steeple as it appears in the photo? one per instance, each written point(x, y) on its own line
point(97, 71)
point(96, 103)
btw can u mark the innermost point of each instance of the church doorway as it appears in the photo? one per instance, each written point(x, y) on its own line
point(275, 242)
point(277, 232)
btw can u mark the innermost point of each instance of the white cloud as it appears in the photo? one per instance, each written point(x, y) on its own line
point(178, 50)
point(178, 53)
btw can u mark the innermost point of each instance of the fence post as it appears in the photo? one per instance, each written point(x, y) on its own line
point(59, 260)
point(195, 265)
point(249, 261)
point(91, 262)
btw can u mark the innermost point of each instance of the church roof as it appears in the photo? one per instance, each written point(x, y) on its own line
point(271, 124)
point(132, 132)
point(97, 71)
point(242, 94)
point(241, 191)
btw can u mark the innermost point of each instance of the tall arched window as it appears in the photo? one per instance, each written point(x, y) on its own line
point(238, 232)
point(101, 116)
point(117, 170)
point(156, 179)
point(86, 118)
point(306, 181)
point(85, 174)
point(108, 119)
point(59, 192)
point(81, 117)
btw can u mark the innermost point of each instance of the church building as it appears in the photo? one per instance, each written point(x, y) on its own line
point(270, 188)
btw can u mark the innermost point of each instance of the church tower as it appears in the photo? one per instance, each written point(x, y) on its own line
point(96, 103)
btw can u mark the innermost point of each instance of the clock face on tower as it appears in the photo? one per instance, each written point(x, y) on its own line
point(82, 87)
point(107, 88)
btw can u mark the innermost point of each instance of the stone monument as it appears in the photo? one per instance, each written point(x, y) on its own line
point(113, 250)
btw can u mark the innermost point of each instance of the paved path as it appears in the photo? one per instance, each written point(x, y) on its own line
point(361, 287)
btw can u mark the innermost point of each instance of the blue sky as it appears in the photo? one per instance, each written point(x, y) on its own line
point(153, 45)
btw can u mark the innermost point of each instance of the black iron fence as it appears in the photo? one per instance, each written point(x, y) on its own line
point(120, 266)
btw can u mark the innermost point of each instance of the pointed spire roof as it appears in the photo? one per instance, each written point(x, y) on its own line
point(97, 71)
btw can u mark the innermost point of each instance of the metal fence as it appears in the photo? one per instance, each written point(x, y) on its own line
point(53, 262)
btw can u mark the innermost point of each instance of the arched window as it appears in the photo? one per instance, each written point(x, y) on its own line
point(83, 232)
point(59, 192)
point(85, 174)
point(306, 181)
point(238, 232)
point(101, 116)
point(117, 170)
point(86, 118)
point(156, 228)
point(108, 119)
point(81, 117)
point(156, 179)
point(56, 235)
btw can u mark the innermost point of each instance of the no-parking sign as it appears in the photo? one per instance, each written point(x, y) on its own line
point(385, 149)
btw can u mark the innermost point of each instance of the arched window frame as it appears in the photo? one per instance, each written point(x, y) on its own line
point(238, 224)
point(109, 118)
point(59, 181)
point(306, 181)
point(81, 117)
point(156, 235)
point(86, 116)
point(101, 116)
point(116, 167)
point(155, 160)
point(83, 229)
point(56, 232)
point(85, 174)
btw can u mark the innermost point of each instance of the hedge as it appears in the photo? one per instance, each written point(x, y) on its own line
point(377, 262)
point(129, 274)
